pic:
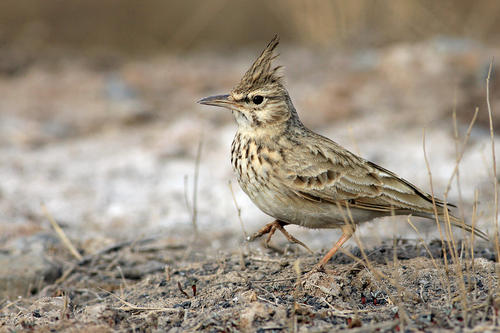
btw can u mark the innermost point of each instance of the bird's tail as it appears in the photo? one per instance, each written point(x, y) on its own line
point(464, 226)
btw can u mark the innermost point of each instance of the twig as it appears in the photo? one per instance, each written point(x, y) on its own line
point(60, 233)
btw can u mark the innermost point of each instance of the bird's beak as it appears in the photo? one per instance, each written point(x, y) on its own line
point(224, 101)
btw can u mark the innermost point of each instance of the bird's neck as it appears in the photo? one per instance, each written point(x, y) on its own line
point(267, 132)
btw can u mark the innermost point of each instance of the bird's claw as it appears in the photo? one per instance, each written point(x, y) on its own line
point(271, 228)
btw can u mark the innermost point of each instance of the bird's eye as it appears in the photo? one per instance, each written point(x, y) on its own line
point(257, 99)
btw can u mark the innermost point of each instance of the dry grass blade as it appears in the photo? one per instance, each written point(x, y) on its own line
point(131, 307)
point(366, 262)
point(421, 239)
point(457, 150)
point(194, 219)
point(473, 223)
point(460, 153)
point(8, 305)
point(60, 233)
point(455, 173)
point(400, 291)
point(273, 281)
point(447, 218)
point(238, 210)
point(434, 202)
point(186, 199)
point(494, 164)
point(379, 276)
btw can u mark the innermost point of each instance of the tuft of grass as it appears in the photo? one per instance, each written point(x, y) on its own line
point(459, 268)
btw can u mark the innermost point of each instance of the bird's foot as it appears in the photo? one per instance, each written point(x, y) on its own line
point(271, 228)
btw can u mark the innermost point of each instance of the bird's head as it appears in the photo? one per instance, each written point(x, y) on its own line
point(260, 99)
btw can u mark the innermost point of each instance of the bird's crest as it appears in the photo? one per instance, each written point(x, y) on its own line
point(261, 73)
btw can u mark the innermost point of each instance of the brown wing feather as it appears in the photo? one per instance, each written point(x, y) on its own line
point(417, 191)
point(337, 175)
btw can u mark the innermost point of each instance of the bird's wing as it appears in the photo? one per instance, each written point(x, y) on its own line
point(325, 172)
point(321, 170)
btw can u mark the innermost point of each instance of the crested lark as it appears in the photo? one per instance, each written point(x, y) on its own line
point(300, 177)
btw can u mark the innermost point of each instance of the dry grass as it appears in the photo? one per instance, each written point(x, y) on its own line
point(92, 26)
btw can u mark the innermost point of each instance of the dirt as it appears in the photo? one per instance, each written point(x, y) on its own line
point(167, 285)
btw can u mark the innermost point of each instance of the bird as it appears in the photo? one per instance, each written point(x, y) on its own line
point(302, 178)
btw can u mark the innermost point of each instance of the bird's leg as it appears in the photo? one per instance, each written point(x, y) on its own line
point(347, 232)
point(271, 232)
point(290, 238)
point(271, 228)
point(264, 230)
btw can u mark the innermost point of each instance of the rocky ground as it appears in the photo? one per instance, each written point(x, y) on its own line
point(107, 147)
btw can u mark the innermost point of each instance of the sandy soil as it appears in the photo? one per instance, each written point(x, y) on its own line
point(166, 285)
point(110, 149)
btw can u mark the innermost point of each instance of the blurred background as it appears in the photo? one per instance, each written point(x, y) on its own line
point(99, 121)
point(126, 27)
